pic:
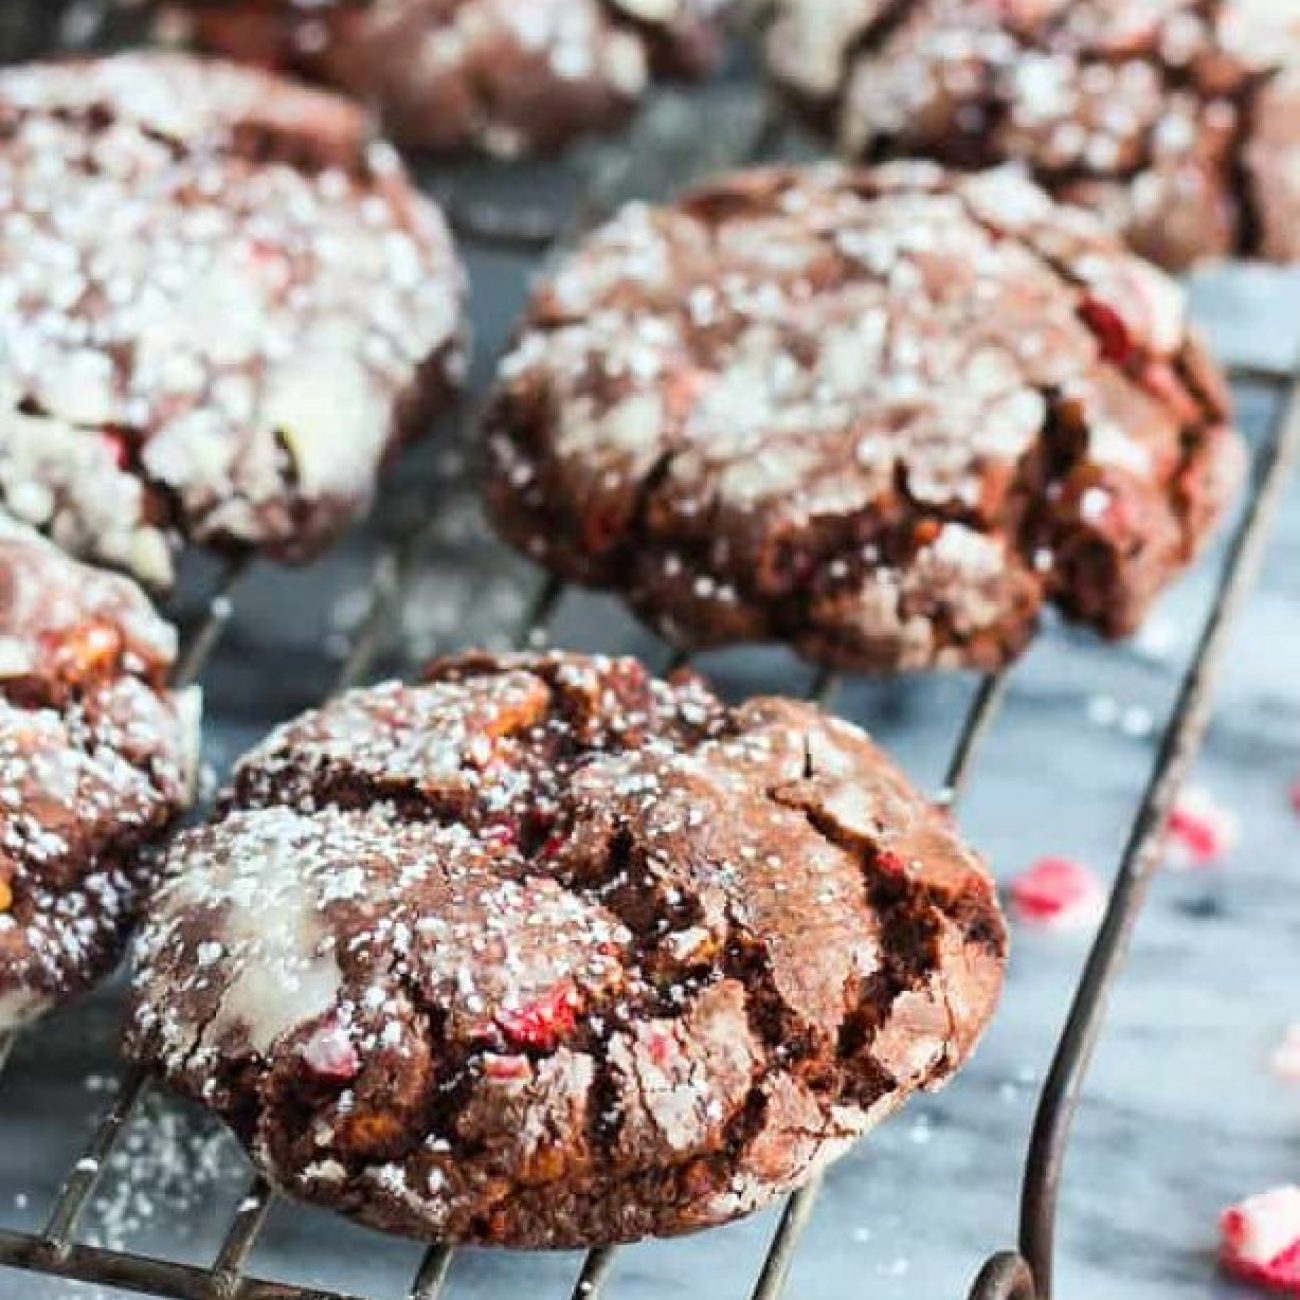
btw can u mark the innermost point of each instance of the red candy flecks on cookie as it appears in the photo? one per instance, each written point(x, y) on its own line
point(1200, 832)
point(330, 1056)
point(1057, 894)
point(544, 1022)
point(1261, 1240)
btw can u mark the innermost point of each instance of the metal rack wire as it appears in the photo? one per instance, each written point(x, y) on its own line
point(1022, 1274)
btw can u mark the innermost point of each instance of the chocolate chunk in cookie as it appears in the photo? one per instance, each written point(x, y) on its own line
point(543, 952)
point(883, 415)
point(96, 759)
point(1178, 120)
point(221, 307)
point(491, 75)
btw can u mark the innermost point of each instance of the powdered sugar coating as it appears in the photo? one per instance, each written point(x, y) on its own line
point(884, 415)
point(1173, 118)
point(219, 308)
point(96, 757)
point(492, 75)
point(546, 953)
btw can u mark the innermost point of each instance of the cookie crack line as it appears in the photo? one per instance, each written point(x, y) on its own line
point(643, 1031)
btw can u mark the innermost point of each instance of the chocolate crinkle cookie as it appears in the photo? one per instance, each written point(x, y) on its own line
point(1179, 120)
point(96, 758)
point(499, 76)
point(545, 953)
point(220, 306)
point(882, 415)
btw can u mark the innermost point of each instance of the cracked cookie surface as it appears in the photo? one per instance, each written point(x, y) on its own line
point(544, 952)
point(221, 307)
point(1177, 120)
point(884, 415)
point(96, 759)
point(496, 76)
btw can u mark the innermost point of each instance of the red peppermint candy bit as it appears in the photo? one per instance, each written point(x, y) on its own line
point(1113, 336)
point(1057, 894)
point(661, 1045)
point(889, 863)
point(1261, 1240)
point(1199, 831)
point(269, 262)
point(506, 1069)
point(499, 835)
point(330, 1056)
point(603, 529)
point(542, 1023)
point(682, 389)
point(117, 448)
point(552, 846)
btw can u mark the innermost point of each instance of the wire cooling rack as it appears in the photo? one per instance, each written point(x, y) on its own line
point(1025, 1273)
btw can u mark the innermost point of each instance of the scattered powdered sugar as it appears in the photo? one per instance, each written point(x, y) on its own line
point(165, 1174)
point(1136, 721)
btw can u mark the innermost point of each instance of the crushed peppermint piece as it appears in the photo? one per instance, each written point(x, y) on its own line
point(1058, 894)
point(1261, 1240)
point(330, 1055)
point(1199, 831)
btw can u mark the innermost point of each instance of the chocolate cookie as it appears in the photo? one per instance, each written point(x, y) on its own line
point(96, 758)
point(1178, 120)
point(492, 75)
point(220, 307)
point(547, 953)
point(883, 415)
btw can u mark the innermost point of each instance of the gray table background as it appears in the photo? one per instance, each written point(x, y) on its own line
point(1181, 1114)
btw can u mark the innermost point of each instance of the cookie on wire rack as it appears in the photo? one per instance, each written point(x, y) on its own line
point(544, 952)
point(496, 76)
point(96, 759)
point(885, 416)
point(222, 306)
point(1177, 120)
